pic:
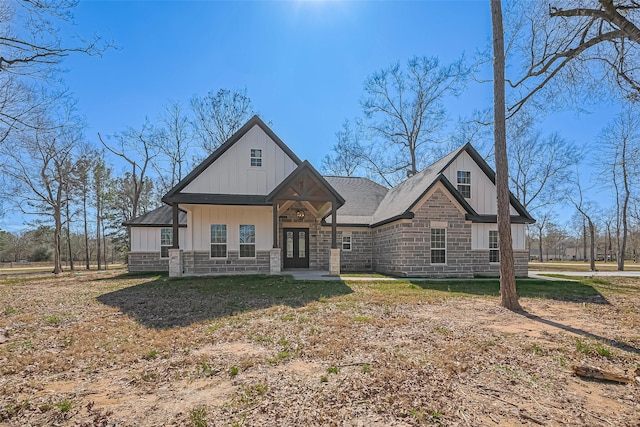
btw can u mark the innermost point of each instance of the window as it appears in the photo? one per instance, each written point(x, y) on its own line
point(464, 184)
point(346, 243)
point(494, 251)
point(256, 157)
point(166, 241)
point(218, 241)
point(247, 241)
point(438, 245)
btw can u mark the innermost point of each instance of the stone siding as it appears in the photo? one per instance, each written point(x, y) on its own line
point(403, 248)
point(358, 259)
point(482, 266)
point(200, 262)
point(147, 261)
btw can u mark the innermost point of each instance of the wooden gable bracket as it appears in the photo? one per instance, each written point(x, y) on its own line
point(282, 207)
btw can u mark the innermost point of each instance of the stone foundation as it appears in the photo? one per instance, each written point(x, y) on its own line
point(199, 262)
point(139, 262)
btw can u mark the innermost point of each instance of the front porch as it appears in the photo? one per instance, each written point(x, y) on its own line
point(297, 239)
point(300, 203)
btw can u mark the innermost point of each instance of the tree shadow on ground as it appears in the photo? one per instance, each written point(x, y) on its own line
point(613, 343)
point(571, 291)
point(164, 303)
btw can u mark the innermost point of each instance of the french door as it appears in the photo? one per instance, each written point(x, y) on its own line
point(296, 247)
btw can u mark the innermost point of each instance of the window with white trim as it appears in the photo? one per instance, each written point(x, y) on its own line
point(256, 157)
point(346, 243)
point(464, 184)
point(218, 240)
point(247, 241)
point(494, 251)
point(438, 246)
point(166, 241)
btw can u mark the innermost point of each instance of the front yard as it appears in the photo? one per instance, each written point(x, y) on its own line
point(117, 350)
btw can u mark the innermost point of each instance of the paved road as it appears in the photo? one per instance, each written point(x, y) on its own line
point(538, 274)
point(324, 275)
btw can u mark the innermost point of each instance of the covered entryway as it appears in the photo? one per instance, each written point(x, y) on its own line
point(313, 198)
point(295, 245)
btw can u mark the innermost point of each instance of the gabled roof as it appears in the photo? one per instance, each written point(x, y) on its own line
point(254, 121)
point(400, 200)
point(305, 173)
point(159, 217)
point(492, 176)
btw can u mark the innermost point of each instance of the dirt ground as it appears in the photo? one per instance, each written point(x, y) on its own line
point(109, 350)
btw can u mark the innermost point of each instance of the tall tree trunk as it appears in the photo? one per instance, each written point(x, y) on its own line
point(605, 244)
point(584, 240)
point(509, 296)
point(71, 266)
point(104, 247)
point(592, 235)
point(57, 240)
point(625, 205)
point(86, 231)
point(540, 242)
point(98, 208)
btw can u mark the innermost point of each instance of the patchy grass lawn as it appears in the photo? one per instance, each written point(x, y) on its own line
point(103, 350)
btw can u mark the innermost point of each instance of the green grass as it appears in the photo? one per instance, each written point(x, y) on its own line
point(435, 290)
point(210, 299)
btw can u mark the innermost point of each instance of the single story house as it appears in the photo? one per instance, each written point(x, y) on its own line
point(254, 207)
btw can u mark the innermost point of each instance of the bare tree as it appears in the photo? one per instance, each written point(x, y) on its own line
point(101, 179)
point(173, 140)
point(218, 116)
point(346, 156)
point(38, 164)
point(541, 167)
point(575, 42)
point(540, 225)
point(404, 114)
point(588, 211)
point(620, 148)
point(32, 50)
point(83, 167)
point(136, 147)
point(509, 296)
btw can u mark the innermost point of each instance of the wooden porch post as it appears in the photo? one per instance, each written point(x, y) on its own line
point(175, 224)
point(275, 224)
point(334, 219)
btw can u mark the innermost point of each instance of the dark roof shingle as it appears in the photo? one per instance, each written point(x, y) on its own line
point(159, 217)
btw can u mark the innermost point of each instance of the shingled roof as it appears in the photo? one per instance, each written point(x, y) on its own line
point(367, 203)
point(160, 217)
point(401, 198)
point(362, 197)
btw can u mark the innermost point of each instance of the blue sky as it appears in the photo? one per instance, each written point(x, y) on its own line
point(303, 63)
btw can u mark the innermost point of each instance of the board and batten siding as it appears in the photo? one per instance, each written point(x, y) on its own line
point(200, 218)
point(232, 172)
point(147, 239)
point(480, 235)
point(483, 191)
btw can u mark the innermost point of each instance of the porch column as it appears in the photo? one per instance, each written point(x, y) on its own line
point(334, 219)
point(274, 254)
point(176, 243)
point(334, 252)
point(275, 224)
point(175, 253)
